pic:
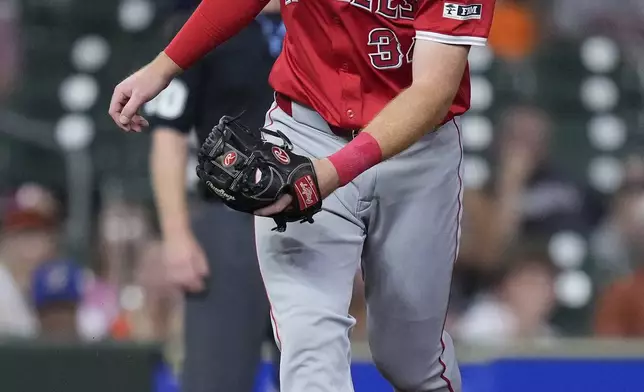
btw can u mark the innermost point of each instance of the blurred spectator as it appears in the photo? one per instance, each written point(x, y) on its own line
point(29, 232)
point(617, 244)
point(28, 237)
point(620, 308)
point(619, 252)
point(16, 317)
point(57, 289)
point(129, 297)
point(530, 197)
point(534, 196)
point(99, 310)
point(124, 229)
point(123, 234)
point(519, 307)
point(476, 264)
point(149, 308)
point(152, 303)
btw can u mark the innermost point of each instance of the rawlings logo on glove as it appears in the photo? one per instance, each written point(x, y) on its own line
point(306, 193)
point(248, 173)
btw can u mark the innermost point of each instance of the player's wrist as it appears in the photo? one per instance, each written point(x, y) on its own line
point(165, 67)
point(358, 156)
point(327, 176)
point(176, 229)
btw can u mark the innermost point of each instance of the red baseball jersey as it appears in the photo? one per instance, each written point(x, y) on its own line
point(348, 58)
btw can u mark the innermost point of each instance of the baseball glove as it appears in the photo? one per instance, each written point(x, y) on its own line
point(248, 173)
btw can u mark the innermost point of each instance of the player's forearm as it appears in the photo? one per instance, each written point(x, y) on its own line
point(212, 23)
point(168, 166)
point(438, 70)
point(411, 115)
point(405, 120)
point(415, 112)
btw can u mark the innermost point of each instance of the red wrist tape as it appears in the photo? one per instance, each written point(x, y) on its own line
point(356, 157)
point(212, 23)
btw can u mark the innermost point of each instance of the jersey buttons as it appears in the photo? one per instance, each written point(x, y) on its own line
point(350, 113)
point(336, 20)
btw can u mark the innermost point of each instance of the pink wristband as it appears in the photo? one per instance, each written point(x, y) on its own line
point(356, 157)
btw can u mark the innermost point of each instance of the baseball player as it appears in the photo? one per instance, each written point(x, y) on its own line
point(368, 95)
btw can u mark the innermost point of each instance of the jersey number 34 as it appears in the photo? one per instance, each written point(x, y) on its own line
point(387, 52)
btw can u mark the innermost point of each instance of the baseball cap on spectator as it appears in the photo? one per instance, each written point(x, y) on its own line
point(32, 207)
point(16, 219)
point(57, 281)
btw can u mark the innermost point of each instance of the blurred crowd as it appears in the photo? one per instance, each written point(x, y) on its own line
point(506, 282)
point(120, 294)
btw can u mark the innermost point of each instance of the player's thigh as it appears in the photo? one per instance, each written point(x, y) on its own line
point(226, 324)
point(310, 267)
point(313, 258)
point(413, 243)
point(409, 256)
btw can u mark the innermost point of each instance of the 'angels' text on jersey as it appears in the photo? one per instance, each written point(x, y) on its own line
point(392, 9)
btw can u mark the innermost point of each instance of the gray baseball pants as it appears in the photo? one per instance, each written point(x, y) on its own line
point(401, 220)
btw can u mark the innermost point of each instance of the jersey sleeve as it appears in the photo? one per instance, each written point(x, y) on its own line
point(175, 107)
point(463, 22)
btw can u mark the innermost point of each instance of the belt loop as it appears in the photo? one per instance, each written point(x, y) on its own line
point(284, 103)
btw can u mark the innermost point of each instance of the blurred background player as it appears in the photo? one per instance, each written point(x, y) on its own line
point(212, 257)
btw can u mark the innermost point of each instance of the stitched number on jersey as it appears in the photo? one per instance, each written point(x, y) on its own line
point(171, 102)
point(387, 53)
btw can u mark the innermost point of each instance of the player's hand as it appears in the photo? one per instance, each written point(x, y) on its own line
point(185, 263)
point(137, 89)
point(328, 182)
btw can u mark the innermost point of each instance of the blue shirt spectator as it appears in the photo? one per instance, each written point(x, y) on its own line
point(57, 290)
